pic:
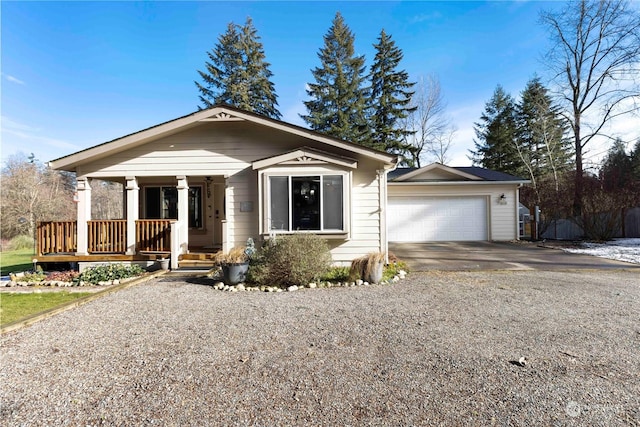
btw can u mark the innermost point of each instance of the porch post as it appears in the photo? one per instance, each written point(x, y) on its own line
point(225, 225)
point(84, 215)
point(133, 203)
point(183, 213)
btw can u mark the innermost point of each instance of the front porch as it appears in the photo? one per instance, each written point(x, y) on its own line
point(162, 217)
point(57, 242)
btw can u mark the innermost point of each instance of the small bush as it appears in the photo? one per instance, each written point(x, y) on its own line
point(290, 260)
point(38, 276)
point(103, 273)
point(21, 242)
point(336, 274)
point(365, 266)
point(392, 269)
point(236, 255)
point(62, 276)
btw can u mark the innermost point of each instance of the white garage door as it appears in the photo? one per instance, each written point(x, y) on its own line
point(433, 219)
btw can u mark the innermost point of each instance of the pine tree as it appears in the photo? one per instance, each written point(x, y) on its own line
point(337, 105)
point(635, 161)
point(617, 168)
point(496, 133)
point(389, 98)
point(541, 135)
point(237, 73)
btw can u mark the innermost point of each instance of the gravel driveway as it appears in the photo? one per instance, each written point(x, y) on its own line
point(439, 348)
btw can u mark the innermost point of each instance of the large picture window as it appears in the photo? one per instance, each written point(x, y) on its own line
point(162, 203)
point(306, 203)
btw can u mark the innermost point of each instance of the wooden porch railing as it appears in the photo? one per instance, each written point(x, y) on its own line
point(104, 236)
point(57, 237)
point(153, 235)
point(107, 236)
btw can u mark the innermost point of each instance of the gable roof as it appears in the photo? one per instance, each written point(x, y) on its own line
point(305, 155)
point(217, 113)
point(435, 168)
point(458, 173)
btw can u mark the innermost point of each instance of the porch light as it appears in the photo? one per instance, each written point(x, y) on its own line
point(502, 200)
point(208, 179)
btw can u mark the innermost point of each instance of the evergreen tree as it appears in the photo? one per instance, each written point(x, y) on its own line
point(496, 133)
point(617, 168)
point(635, 161)
point(337, 105)
point(541, 135)
point(389, 98)
point(237, 73)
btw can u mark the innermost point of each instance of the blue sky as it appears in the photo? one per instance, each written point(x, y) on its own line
point(75, 74)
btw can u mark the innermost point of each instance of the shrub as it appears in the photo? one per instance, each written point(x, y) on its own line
point(290, 260)
point(336, 274)
point(21, 242)
point(366, 267)
point(103, 273)
point(38, 276)
point(392, 269)
point(62, 276)
point(236, 255)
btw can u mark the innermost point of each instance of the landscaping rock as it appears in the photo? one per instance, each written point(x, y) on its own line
point(292, 288)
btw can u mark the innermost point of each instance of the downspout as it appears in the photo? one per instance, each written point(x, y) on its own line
point(382, 182)
point(518, 212)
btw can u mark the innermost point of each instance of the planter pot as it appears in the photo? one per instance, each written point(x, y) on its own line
point(232, 274)
point(374, 273)
point(164, 263)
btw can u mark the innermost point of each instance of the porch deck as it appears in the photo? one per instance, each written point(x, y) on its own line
point(57, 243)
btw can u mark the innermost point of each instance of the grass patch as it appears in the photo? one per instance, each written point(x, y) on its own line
point(16, 261)
point(18, 306)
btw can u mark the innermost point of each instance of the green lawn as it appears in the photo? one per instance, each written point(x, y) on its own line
point(17, 306)
point(19, 260)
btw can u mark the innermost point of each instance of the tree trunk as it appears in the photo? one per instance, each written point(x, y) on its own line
point(578, 184)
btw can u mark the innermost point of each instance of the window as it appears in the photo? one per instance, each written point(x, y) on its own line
point(306, 203)
point(162, 203)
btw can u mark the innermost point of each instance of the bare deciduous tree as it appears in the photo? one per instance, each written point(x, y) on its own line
point(106, 199)
point(433, 131)
point(32, 192)
point(595, 62)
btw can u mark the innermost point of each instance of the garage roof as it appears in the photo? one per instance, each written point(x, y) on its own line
point(456, 173)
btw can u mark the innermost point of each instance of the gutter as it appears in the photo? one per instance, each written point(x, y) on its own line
point(437, 183)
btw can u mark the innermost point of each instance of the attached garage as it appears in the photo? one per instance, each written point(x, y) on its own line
point(438, 203)
point(437, 219)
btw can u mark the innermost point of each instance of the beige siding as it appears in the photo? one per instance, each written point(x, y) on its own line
point(227, 151)
point(502, 218)
point(365, 217)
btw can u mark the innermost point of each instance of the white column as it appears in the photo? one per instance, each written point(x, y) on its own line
point(133, 204)
point(183, 213)
point(84, 215)
point(228, 213)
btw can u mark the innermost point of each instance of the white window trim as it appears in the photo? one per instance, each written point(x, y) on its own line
point(265, 206)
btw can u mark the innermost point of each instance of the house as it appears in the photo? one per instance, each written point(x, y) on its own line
point(214, 178)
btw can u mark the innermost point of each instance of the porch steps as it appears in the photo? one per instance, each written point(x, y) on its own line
point(197, 256)
point(196, 263)
point(199, 260)
point(189, 271)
